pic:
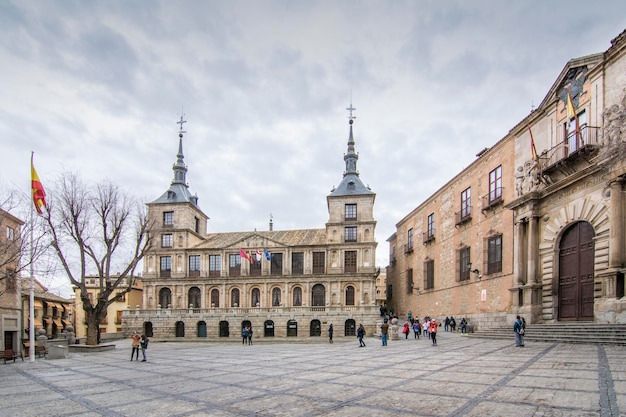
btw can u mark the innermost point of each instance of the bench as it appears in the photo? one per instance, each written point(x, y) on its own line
point(40, 351)
point(9, 354)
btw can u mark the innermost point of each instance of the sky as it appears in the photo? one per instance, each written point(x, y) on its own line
point(96, 88)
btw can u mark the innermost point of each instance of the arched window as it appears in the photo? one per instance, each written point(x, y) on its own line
point(276, 297)
point(256, 297)
point(297, 297)
point(165, 297)
point(318, 295)
point(193, 297)
point(349, 295)
point(234, 298)
point(215, 297)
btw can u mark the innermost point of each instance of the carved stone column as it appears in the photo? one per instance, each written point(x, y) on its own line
point(533, 250)
point(616, 236)
point(518, 253)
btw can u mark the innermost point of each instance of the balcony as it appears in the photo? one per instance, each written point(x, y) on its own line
point(576, 146)
point(429, 236)
point(194, 273)
point(462, 216)
point(408, 249)
point(493, 199)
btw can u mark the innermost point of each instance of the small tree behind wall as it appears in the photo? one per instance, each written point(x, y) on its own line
point(97, 230)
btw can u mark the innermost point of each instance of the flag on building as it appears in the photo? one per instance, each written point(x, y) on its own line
point(244, 255)
point(571, 114)
point(258, 256)
point(267, 254)
point(533, 150)
point(39, 194)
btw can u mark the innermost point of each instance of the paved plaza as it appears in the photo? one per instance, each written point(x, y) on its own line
point(462, 376)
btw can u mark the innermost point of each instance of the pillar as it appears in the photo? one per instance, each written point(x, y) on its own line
point(616, 234)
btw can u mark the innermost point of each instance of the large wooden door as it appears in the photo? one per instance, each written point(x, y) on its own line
point(576, 256)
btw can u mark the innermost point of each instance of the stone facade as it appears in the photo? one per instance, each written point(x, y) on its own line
point(292, 283)
point(561, 219)
point(10, 252)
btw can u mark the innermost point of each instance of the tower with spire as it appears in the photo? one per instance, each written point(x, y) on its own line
point(351, 215)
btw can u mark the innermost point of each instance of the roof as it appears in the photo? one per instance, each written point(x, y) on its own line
point(302, 237)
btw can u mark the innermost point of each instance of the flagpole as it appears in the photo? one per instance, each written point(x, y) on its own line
point(31, 348)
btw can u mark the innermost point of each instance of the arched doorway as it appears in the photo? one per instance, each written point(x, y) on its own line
point(316, 328)
point(318, 295)
point(165, 297)
point(268, 328)
point(201, 329)
point(180, 329)
point(576, 256)
point(224, 330)
point(147, 329)
point(350, 328)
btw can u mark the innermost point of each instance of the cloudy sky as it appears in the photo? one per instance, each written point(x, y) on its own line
point(96, 88)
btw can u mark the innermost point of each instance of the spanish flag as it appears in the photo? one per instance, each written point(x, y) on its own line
point(39, 194)
point(571, 114)
point(533, 149)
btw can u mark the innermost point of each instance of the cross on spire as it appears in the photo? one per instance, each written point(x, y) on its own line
point(351, 109)
point(181, 122)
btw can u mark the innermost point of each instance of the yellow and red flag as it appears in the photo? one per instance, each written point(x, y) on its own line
point(533, 150)
point(39, 194)
point(571, 114)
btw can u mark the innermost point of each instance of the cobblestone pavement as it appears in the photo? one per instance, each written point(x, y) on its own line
point(460, 377)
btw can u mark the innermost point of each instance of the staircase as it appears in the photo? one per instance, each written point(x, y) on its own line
point(562, 332)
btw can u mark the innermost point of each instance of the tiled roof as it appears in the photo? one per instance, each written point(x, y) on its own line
point(303, 237)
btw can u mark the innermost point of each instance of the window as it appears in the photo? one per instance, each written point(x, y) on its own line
point(575, 137)
point(256, 297)
point(349, 262)
point(351, 234)
point(168, 218)
point(429, 275)
point(466, 203)
point(409, 281)
point(215, 297)
point(234, 265)
point(234, 298)
point(350, 211)
point(495, 185)
point(193, 297)
point(297, 297)
point(349, 295)
point(166, 266)
point(10, 233)
point(277, 264)
point(276, 297)
point(410, 239)
point(215, 265)
point(255, 266)
point(319, 262)
point(197, 224)
point(494, 254)
point(166, 240)
point(318, 295)
point(165, 297)
point(297, 263)
point(194, 266)
point(118, 316)
point(464, 264)
point(430, 228)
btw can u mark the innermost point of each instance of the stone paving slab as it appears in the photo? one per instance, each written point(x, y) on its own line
point(459, 377)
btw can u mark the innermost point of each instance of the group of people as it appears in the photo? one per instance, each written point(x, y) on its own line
point(139, 343)
point(246, 335)
point(428, 328)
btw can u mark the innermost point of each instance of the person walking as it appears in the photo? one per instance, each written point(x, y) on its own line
point(244, 335)
point(360, 333)
point(330, 333)
point(519, 330)
point(463, 326)
point(135, 344)
point(417, 329)
point(144, 346)
point(406, 330)
point(384, 332)
point(433, 331)
point(250, 335)
point(446, 324)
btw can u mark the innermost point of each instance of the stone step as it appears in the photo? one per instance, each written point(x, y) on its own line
point(569, 332)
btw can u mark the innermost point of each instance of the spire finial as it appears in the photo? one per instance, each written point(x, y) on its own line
point(351, 109)
point(181, 122)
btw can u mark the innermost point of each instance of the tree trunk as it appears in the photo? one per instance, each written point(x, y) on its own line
point(93, 326)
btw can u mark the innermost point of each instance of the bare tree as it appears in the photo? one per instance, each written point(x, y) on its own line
point(96, 231)
point(22, 242)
